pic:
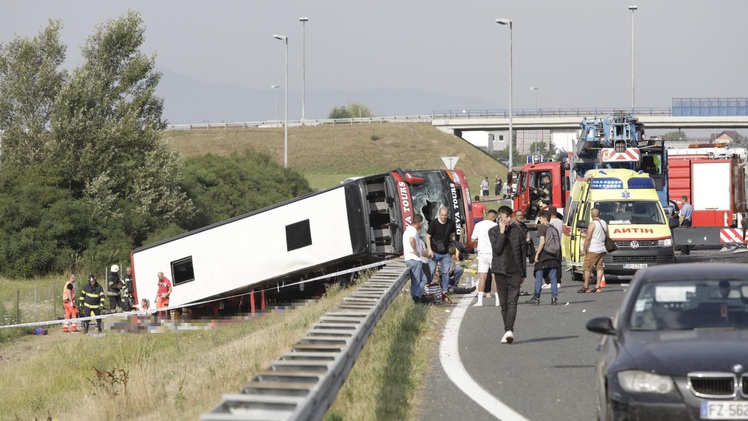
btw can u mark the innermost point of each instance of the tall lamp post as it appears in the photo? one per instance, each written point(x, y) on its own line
point(533, 88)
point(303, 21)
point(284, 38)
point(633, 78)
point(275, 88)
point(511, 134)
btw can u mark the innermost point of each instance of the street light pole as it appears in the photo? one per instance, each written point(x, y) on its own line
point(533, 88)
point(303, 21)
point(633, 75)
point(511, 134)
point(275, 88)
point(284, 38)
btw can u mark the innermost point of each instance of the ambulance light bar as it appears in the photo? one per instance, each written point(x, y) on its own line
point(608, 183)
point(641, 183)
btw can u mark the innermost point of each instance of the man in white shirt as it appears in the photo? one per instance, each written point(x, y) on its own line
point(412, 253)
point(485, 252)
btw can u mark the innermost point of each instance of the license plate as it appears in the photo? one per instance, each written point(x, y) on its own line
point(715, 410)
point(634, 265)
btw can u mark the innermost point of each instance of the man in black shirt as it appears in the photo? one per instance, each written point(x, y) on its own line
point(508, 267)
point(440, 233)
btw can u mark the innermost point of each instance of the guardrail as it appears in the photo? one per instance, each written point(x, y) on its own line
point(303, 383)
point(299, 123)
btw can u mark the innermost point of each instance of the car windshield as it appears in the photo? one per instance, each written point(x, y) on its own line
point(630, 212)
point(691, 304)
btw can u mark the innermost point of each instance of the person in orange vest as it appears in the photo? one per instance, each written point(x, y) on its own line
point(68, 301)
point(163, 292)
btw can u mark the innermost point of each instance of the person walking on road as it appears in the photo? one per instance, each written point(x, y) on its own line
point(412, 253)
point(594, 251)
point(686, 213)
point(545, 261)
point(92, 301)
point(485, 253)
point(440, 234)
point(508, 266)
point(68, 301)
point(559, 225)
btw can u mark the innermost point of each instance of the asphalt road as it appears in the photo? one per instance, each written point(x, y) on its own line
point(547, 373)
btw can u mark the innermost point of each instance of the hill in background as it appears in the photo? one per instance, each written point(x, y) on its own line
point(328, 154)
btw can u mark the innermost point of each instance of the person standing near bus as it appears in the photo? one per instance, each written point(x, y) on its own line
point(479, 210)
point(163, 292)
point(440, 234)
point(92, 301)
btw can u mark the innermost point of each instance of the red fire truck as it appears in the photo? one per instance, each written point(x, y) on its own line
point(713, 178)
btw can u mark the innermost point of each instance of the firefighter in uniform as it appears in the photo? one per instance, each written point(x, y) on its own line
point(128, 301)
point(68, 301)
point(114, 288)
point(92, 301)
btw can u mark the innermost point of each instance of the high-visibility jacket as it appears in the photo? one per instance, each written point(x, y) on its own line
point(92, 296)
point(115, 285)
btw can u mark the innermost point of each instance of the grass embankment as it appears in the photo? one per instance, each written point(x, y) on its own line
point(328, 154)
point(182, 375)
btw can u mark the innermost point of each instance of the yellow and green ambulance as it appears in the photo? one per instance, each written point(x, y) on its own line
point(628, 202)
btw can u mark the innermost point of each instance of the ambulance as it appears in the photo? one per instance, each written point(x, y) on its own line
point(629, 203)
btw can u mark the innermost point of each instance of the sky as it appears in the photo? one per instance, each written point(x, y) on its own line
point(577, 53)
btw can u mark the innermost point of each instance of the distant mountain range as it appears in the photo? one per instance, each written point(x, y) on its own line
point(191, 100)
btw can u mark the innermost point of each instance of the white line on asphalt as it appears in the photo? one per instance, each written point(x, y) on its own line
point(449, 354)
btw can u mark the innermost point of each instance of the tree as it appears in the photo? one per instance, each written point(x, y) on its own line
point(352, 110)
point(106, 128)
point(225, 187)
point(677, 136)
point(29, 84)
point(545, 149)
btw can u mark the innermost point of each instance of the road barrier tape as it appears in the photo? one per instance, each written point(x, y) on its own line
point(170, 308)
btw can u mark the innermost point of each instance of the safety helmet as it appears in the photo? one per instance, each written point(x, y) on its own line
point(91, 277)
point(115, 268)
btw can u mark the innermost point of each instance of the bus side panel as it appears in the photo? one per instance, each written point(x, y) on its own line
point(298, 235)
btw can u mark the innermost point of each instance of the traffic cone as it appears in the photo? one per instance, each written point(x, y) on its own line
point(602, 282)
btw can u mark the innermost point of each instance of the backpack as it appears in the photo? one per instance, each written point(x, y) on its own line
point(552, 242)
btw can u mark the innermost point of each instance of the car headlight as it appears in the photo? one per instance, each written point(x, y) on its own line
point(643, 382)
point(668, 242)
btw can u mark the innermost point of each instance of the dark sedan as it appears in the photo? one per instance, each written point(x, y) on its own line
point(678, 347)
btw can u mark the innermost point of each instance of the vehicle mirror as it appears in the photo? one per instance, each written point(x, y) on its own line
point(673, 223)
point(582, 224)
point(602, 325)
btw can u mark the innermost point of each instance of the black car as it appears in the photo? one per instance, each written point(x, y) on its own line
point(678, 347)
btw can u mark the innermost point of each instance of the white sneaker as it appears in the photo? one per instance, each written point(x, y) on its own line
point(508, 337)
point(478, 304)
point(546, 286)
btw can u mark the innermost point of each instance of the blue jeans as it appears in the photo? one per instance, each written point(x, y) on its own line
point(446, 260)
point(417, 278)
point(539, 281)
point(459, 270)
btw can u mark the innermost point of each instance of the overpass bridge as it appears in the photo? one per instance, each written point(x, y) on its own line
point(456, 122)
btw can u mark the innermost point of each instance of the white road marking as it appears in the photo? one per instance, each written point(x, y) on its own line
point(449, 355)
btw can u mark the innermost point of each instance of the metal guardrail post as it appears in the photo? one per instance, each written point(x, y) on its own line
point(303, 383)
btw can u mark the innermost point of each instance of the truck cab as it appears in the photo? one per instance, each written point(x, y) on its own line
point(629, 204)
point(529, 182)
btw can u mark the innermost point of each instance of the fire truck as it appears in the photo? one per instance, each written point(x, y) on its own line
point(614, 141)
point(713, 178)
